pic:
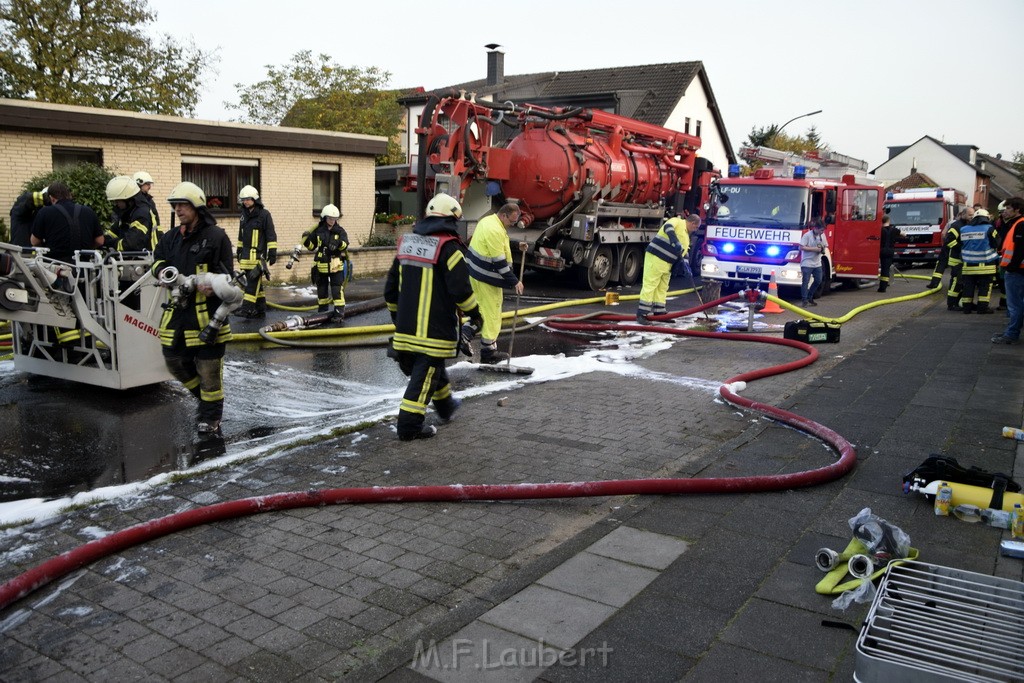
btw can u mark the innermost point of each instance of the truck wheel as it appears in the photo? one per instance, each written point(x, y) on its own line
point(826, 280)
point(632, 264)
point(600, 271)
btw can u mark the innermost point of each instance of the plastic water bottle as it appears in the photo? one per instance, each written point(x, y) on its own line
point(1017, 521)
point(1013, 433)
point(943, 499)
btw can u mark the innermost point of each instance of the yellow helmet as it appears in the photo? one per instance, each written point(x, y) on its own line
point(330, 211)
point(248, 192)
point(121, 187)
point(141, 178)
point(188, 193)
point(444, 205)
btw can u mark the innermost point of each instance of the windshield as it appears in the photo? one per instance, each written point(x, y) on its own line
point(762, 205)
point(914, 213)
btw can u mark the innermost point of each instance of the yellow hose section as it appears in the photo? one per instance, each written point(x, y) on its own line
point(282, 307)
point(9, 356)
point(388, 329)
point(6, 337)
point(860, 309)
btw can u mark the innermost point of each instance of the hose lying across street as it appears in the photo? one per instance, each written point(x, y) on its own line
point(87, 553)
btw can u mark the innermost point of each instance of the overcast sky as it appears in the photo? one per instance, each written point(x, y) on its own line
point(883, 72)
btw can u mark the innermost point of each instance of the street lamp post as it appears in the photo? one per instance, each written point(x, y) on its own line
point(779, 131)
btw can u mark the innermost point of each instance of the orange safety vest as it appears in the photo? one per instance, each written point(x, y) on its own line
point(1008, 244)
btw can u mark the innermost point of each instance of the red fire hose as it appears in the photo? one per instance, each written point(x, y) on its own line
point(64, 564)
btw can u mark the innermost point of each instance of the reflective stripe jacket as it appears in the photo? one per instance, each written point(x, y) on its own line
point(327, 244)
point(207, 249)
point(22, 213)
point(671, 242)
point(490, 255)
point(132, 229)
point(427, 287)
point(144, 199)
point(978, 247)
point(256, 235)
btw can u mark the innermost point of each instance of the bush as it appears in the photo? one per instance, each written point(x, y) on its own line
point(88, 183)
point(5, 232)
point(393, 218)
point(375, 240)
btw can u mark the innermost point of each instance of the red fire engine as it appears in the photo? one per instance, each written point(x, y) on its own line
point(922, 214)
point(755, 225)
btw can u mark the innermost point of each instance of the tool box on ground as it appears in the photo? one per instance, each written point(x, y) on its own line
point(812, 331)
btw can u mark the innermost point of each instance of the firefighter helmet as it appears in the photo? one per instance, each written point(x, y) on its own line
point(330, 211)
point(1002, 206)
point(141, 178)
point(188, 193)
point(45, 191)
point(121, 187)
point(983, 213)
point(248, 192)
point(443, 205)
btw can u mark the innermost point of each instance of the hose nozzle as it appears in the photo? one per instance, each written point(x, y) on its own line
point(861, 566)
point(826, 559)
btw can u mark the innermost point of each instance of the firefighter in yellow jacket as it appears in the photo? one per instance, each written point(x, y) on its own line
point(490, 270)
point(670, 244)
point(427, 287)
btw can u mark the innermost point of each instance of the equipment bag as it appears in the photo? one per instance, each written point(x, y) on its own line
point(812, 331)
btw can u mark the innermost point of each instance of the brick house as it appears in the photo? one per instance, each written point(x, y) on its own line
point(296, 170)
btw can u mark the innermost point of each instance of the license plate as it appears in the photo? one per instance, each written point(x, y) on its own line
point(749, 270)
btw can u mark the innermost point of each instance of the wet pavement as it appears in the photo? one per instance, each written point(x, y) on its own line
point(687, 587)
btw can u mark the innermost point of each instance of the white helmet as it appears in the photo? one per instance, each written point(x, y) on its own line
point(188, 193)
point(248, 192)
point(121, 187)
point(141, 178)
point(330, 211)
point(444, 205)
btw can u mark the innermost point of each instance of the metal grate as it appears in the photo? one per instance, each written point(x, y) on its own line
point(932, 623)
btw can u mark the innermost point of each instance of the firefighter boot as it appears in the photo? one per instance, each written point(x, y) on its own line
point(883, 286)
point(983, 308)
point(246, 310)
point(952, 303)
point(968, 307)
point(446, 408)
point(490, 355)
point(338, 314)
point(642, 319)
point(261, 309)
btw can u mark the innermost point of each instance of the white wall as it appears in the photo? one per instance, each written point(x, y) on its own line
point(695, 106)
point(931, 159)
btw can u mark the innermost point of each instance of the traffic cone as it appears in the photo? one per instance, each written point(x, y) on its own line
point(773, 290)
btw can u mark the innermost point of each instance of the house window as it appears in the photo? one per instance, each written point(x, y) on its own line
point(63, 157)
point(686, 125)
point(326, 186)
point(220, 179)
point(696, 131)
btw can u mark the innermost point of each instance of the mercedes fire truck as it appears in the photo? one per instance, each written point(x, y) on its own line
point(755, 224)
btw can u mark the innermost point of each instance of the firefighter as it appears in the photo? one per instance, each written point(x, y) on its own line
point(257, 240)
point(198, 245)
point(132, 229)
point(145, 183)
point(670, 244)
point(332, 268)
point(950, 256)
point(24, 212)
point(426, 288)
point(979, 244)
point(65, 227)
point(490, 269)
point(887, 252)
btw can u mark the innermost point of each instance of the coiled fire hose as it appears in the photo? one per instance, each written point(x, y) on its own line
point(87, 553)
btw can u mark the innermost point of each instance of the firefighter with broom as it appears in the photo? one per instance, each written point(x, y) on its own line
point(490, 270)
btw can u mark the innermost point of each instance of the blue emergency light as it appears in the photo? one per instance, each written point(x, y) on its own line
point(728, 247)
point(938, 193)
point(734, 170)
point(799, 172)
point(889, 195)
point(774, 250)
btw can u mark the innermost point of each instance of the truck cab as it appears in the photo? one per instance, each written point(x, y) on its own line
point(922, 216)
point(756, 222)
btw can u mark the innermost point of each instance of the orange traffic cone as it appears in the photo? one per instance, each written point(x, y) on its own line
point(773, 290)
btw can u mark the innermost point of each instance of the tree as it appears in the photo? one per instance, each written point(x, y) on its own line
point(95, 53)
point(314, 92)
point(1018, 165)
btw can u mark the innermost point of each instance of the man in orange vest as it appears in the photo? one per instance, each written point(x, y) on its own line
point(1012, 264)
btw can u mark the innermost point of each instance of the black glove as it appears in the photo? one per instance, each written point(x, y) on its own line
point(687, 271)
point(934, 282)
point(469, 330)
point(272, 256)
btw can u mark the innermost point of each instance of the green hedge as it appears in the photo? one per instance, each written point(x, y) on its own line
point(88, 183)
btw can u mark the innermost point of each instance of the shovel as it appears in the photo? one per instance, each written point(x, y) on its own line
point(508, 367)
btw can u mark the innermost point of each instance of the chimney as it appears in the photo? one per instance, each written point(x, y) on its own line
point(495, 64)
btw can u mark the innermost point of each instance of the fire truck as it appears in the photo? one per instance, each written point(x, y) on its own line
point(755, 224)
point(922, 215)
point(593, 187)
